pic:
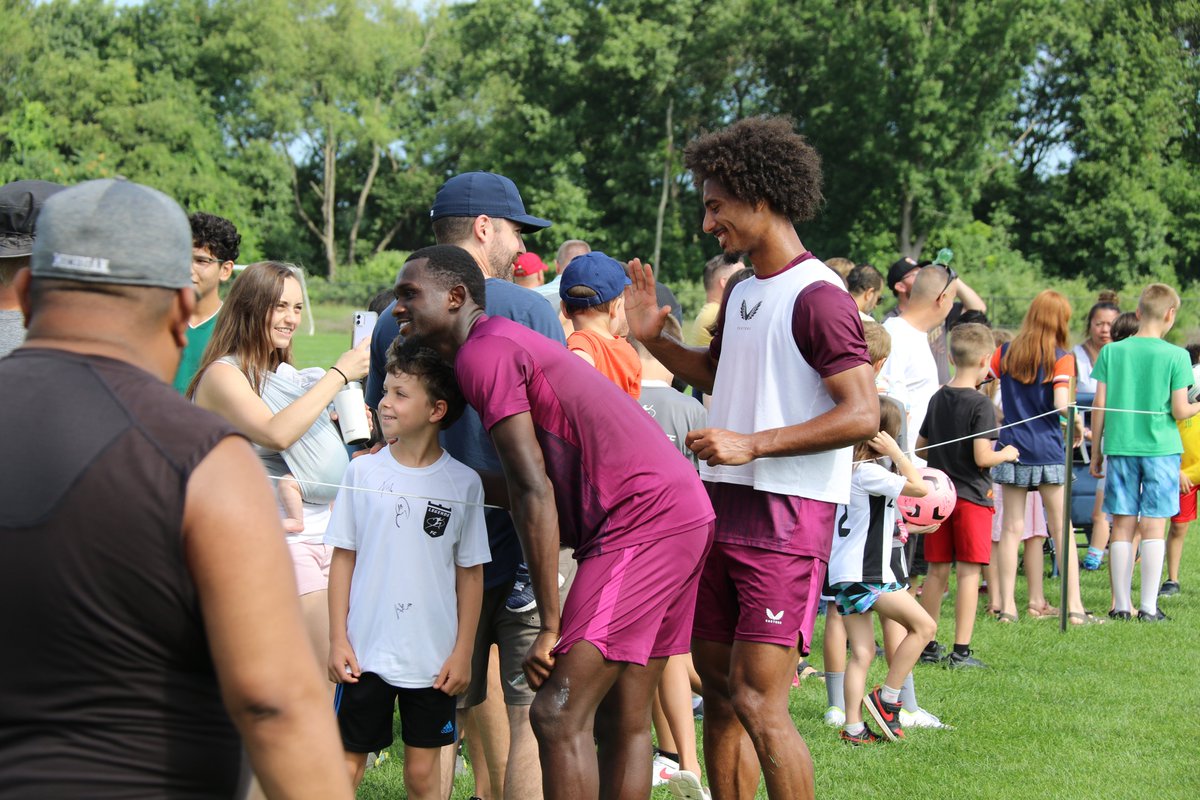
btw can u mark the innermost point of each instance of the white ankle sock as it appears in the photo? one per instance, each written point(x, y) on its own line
point(1153, 551)
point(1120, 566)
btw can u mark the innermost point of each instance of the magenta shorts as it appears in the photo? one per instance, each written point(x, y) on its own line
point(311, 560)
point(637, 603)
point(753, 595)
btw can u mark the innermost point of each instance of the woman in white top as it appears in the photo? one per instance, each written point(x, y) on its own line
point(249, 359)
point(1099, 324)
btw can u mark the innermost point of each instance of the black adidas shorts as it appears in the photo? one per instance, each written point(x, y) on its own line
point(364, 715)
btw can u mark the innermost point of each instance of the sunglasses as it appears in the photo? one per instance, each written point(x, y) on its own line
point(951, 277)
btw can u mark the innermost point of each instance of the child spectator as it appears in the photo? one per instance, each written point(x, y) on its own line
point(879, 346)
point(402, 617)
point(1035, 372)
point(862, 579)
point(1189, 481)
point(592, 292)
point(959, 430)
point(1035, 521)
point(675, 412)
point(1124, 326)
point(1141, 374)
point(675, 759)
point(1100, 318)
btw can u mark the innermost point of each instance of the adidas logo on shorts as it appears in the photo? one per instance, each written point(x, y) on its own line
point(448, 727)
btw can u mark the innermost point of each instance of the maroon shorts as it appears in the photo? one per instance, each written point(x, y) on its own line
point(965, 536)
point(637, 603)
point(749, 594)
point(1187, 507)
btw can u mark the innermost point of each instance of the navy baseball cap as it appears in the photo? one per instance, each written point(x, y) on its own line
point(601, 273)
point(473, 193)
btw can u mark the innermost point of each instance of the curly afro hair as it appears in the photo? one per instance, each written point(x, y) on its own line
point(761, 159)
point(217, 234)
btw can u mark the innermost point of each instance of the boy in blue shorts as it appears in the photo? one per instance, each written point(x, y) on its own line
point(406, 582)
point(1141, 374)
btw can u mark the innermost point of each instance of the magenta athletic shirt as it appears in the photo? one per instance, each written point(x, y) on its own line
point(617, 480)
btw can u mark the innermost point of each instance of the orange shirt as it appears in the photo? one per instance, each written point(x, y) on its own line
point(613, 356)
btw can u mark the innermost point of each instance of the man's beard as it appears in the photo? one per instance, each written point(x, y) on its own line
point(500, 264)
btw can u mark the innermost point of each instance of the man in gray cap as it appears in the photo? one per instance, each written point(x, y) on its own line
point(141, 544)
point(483, 213)
point(20, 202)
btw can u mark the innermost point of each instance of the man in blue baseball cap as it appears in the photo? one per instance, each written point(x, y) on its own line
point(483, 213)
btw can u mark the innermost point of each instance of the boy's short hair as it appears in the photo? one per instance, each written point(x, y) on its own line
point(671, 327)
point(879, 341)
point(1156, 300)
point(216, 234)
point(423, 363)
point(863, 278)
point(970, 342)
point(719, 266)
point(1193, 353)
point(842, 266)
point(1124, 326)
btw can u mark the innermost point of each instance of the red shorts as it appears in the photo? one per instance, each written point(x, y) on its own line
point(638, 602)
point(753, 595)
point(965, 536)
point(1187, 507)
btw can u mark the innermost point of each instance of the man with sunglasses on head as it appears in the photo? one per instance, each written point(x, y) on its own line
point(900, 278)
point(911, 370)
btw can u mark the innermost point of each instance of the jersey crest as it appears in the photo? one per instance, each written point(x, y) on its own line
point(437, 519)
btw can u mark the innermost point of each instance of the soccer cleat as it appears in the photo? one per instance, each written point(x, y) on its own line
point(1121, 615)
point(956, 661)
point(885, 713)
point(922, 719)
point(933, 653)
point(867, 736)
point(835, 717)
point(1157, 616)
point(663, 768)
point(1168, 589)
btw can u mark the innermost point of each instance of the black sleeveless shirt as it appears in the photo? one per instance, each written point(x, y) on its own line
point(107, 687)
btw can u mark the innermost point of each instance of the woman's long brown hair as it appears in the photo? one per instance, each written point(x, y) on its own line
point(243, 326)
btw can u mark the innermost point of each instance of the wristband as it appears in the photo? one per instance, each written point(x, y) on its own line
point(339, 372)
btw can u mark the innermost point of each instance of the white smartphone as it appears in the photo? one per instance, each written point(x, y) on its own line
point(364, 324)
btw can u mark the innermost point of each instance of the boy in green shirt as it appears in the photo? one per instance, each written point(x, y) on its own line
point(1148, 377)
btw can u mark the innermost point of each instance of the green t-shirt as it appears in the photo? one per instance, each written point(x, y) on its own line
point(197, 340)
point(1140, 373)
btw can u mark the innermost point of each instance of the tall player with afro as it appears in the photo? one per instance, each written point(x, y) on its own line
point(793, 391)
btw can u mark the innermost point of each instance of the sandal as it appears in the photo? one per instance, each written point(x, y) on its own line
point(1084, 618)
point(1005, 618)
point(1046, 610)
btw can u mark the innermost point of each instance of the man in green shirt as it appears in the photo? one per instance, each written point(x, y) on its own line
point(215, 243)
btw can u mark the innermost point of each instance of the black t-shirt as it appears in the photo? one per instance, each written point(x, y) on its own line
point(954, 413)
point(107, 687)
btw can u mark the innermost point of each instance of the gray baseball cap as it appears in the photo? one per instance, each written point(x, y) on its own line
point(114, 231)
point(20, 202)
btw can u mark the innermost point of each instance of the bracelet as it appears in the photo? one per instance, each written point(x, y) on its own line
point(339, 372)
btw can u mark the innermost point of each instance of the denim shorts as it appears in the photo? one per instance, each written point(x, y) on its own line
point(1146, 486)
point(1028, 476)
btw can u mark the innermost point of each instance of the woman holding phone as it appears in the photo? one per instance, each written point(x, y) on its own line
point(246, 376)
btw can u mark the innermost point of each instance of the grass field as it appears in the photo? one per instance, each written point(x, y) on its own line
point(1104, 711)
point(1107, 711)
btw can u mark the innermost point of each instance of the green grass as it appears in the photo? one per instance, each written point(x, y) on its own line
point(332, 338)
point(1104, 711)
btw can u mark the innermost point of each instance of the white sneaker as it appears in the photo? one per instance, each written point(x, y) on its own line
point(663, 768)
point(686, 785)
point(922, 719)
point(835, 717)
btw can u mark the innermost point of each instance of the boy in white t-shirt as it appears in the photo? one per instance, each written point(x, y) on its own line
point(406, 582)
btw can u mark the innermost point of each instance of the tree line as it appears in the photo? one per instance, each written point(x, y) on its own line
point(1040, 139)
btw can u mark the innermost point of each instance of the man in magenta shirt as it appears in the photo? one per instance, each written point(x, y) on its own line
point(584, 464)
